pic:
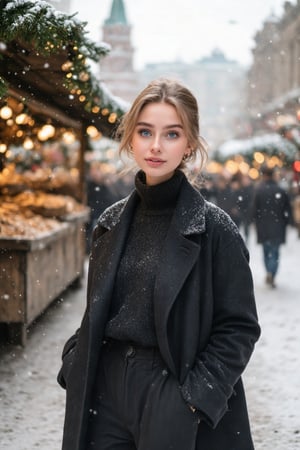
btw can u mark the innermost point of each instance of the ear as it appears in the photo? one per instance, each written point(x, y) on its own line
point(188, 151)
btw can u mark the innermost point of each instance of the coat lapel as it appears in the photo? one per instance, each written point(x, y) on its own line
point(177, 260)
point(106, 255)
point(179, 255)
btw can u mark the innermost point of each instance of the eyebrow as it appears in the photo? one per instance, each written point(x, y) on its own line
point(145, 124)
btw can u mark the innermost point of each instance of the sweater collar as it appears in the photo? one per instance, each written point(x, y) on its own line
point(189, 215)
point(161, 196)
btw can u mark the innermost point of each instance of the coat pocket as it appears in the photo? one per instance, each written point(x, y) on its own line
point(167, 421)
point(64, 372)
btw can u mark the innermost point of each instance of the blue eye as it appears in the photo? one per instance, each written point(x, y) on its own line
point(145, 133)
point(173, 134)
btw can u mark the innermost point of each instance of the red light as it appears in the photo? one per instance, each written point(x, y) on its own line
point(296, 166)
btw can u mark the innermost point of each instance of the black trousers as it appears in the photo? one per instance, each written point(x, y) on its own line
point(137, 404)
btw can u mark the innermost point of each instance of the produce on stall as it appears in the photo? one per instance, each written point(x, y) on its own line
point(50, 103)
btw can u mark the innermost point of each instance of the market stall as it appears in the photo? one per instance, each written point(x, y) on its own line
point(269, 145)
point(50, 106)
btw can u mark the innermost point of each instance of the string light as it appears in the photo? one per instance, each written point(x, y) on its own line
point(259, 157)
point(92, 132)
point(46, 132)
point(84, 76)
point(22, 119)
point(6, 112)
point(95, 109)
point(112, 118)
point(66, 66)
point(68, 137)
point(28, 144)
point(253, 173)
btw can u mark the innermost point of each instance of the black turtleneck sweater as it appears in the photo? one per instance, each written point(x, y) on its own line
point(131, 315)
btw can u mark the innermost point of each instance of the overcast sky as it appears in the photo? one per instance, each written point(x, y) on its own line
point(165, 30)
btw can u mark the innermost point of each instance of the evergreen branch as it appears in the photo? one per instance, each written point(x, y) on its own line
point(47, 31)
point(44, 28)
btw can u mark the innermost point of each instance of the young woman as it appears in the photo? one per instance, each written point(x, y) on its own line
point(171, 321)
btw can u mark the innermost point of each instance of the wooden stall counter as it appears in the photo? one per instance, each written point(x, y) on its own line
point(35, 271)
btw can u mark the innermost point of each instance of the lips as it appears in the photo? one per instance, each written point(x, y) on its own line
point(155, 159)
point(154, 162)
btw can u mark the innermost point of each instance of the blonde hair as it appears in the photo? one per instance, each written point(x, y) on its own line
point(172, 92)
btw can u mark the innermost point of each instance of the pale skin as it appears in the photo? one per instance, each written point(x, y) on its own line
point(159, 142)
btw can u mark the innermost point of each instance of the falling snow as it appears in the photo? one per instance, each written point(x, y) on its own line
point(32, 403)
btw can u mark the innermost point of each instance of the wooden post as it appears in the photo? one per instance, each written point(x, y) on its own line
point(81, 165)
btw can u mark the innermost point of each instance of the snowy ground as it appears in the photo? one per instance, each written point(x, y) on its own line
point(32, 404)
point(272, 378)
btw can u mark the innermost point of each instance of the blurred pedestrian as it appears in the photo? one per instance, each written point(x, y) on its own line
point(171, 320)
point(246, 200)
point(236, 198)
point(207, 188)
point(228, 197)
point(100, 195)
point(271, 213)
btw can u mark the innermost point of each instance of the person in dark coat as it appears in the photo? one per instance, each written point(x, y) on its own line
point(171, 320)
point(228, 197)
point(271, 213)
point(246, 195)
point(100, 195)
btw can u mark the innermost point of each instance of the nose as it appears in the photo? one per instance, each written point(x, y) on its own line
point(155, 147)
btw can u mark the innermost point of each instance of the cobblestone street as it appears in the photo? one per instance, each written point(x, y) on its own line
point(32, 403)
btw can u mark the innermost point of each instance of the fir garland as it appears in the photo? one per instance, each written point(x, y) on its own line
point(47, 31)
point(38, 23)
point(3, 86)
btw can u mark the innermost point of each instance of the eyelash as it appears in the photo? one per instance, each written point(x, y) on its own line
point(146, 133)
point(174, 133)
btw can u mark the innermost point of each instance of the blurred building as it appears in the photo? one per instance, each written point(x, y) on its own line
point(274, 77)
point(116, 69)
point(219, 84)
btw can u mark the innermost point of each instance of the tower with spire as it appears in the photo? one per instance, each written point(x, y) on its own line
point(116, 69)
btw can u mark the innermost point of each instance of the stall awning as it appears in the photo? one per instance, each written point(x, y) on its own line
point(271, 144)
point(44, 63)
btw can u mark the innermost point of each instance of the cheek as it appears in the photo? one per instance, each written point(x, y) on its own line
point(139, 145)
point(181, 151)
point(136, 142)
point(137, 152)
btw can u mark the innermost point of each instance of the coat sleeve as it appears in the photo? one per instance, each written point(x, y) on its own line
point(67, 354)
point(234, 331)
point(70, 345)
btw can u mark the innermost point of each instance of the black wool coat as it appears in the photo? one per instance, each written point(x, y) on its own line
point(205, 320)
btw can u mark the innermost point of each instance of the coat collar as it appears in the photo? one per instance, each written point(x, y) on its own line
point(190, 212)
point(189, 215)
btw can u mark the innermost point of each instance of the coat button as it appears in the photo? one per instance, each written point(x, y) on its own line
point(130, 352)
